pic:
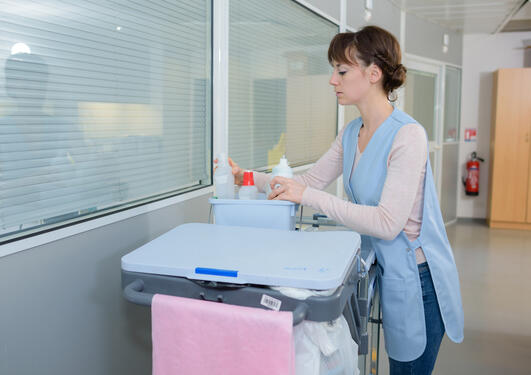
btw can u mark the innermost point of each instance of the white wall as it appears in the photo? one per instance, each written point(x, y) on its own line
point(424, 38)
point(62, 310)
point(384, 14)
point(482, 55)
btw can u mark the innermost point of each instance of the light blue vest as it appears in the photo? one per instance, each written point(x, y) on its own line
point(401, 293)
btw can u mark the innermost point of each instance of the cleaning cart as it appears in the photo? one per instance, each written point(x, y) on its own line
point(204, 261)
point(200, 261)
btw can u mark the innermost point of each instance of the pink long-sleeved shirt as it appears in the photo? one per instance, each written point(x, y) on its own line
point(400, 206)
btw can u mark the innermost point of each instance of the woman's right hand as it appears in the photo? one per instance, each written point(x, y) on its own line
point(237, 172)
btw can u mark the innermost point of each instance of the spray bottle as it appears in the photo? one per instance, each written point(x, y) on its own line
point(223, 178)
point(282, 169)
point(248, 190)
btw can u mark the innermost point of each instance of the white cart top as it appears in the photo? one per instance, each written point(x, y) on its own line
point(241, 255)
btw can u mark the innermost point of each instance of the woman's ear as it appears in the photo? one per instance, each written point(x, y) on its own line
point(375, 73)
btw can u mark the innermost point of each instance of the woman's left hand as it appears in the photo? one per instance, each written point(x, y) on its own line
point(289, 189)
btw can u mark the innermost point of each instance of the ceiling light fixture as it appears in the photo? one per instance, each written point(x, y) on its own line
point(368, 10)
point(20, 48)
point(446, 42)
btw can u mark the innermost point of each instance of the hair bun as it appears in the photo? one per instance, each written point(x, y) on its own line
point(396, 79)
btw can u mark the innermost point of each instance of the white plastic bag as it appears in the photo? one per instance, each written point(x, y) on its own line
point(325, 348)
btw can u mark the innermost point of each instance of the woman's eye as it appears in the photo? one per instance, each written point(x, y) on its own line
point(342, 73)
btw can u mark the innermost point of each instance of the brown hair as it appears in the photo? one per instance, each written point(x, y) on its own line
point(371, 44)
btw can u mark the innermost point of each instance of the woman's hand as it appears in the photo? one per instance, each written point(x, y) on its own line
point(289, 189)
point(237, 172)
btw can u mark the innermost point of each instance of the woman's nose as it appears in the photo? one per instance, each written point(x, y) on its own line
point(333, 80)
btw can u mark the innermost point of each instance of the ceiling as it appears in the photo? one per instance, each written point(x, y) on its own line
point(473, 16)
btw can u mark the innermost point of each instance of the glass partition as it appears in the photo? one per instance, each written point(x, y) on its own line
point(420, 99)
point(452, 104)
point(103, 105)
point(280, 101)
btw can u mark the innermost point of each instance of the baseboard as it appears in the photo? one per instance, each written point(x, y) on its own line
point(508, 225)
point(450, 222)
point(475, 220)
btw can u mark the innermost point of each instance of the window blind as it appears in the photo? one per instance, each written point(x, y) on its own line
point(280, 101)
point(103, 104)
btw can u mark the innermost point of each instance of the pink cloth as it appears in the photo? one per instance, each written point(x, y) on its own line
point(200, 337)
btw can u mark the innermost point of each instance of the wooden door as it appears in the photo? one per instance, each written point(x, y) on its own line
point(527, 105)
point(511, 148)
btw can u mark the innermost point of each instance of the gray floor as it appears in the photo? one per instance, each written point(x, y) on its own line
point(495, 272)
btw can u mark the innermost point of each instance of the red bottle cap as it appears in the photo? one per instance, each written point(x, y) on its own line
point(248, 179)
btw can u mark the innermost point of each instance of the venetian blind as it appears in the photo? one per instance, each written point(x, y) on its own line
point(103, 104)
point(280, 101)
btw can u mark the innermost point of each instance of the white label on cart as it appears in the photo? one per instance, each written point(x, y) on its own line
point(270, 302)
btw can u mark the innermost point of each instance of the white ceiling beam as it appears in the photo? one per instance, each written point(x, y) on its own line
point(451, 14)
point(444, 7)
point(515, 9)
point(464, 15)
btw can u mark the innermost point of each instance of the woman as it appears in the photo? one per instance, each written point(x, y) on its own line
point(383, 157)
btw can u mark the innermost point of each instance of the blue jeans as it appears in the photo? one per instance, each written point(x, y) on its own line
point(423, 365)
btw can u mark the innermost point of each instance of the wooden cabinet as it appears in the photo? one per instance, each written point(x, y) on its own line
point(510, 150)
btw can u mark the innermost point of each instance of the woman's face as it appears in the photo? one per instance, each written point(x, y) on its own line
point(350, 82)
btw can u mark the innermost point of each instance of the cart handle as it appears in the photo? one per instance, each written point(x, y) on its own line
point(134, 292)
point(299, 314)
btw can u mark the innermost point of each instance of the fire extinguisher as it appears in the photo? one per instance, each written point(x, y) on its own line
point(471, 181)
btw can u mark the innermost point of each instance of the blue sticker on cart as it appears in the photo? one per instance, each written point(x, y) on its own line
point(216, 272)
